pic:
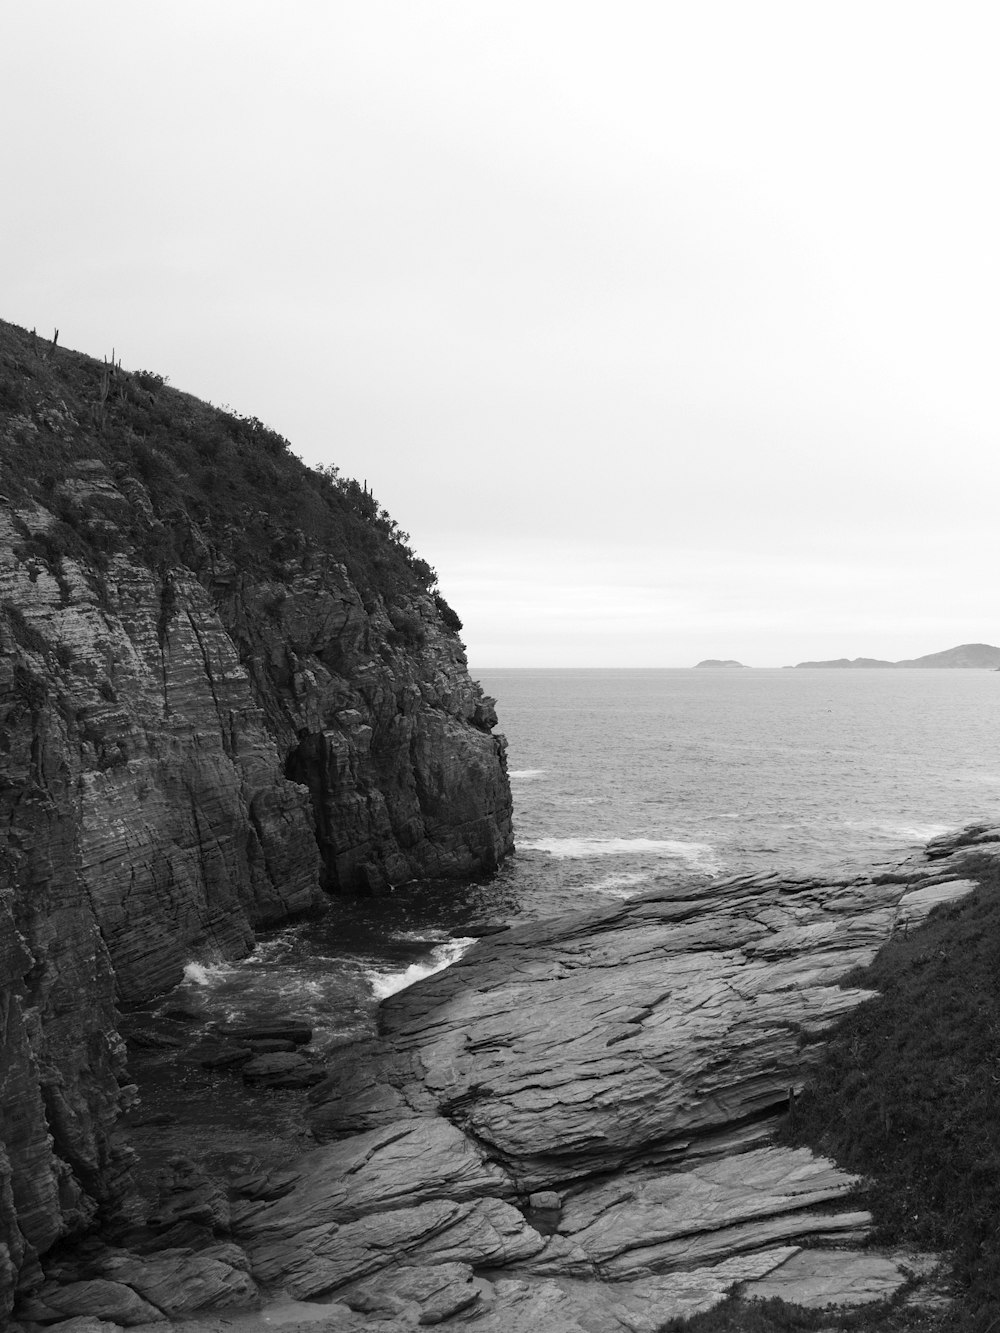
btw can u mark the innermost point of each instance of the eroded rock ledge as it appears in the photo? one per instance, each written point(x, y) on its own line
point(571, 1128)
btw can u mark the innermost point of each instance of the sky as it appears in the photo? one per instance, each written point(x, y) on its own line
point(667, 330)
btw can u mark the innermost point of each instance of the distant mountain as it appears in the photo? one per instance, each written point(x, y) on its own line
point(850, 662)
point(716, 662)
point(981, 655)
point(965, 655)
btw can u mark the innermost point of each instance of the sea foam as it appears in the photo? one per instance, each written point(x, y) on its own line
point(697, 854)
point(386, 983)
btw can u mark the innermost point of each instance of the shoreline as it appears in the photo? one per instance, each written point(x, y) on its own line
point(685, 1020)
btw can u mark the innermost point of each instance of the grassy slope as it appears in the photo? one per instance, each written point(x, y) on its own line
point(209, 472)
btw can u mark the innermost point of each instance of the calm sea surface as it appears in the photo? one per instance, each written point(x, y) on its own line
point(625, 777)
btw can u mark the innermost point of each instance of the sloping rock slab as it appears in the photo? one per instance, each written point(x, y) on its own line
point(571, 1045)
point(917, 904)
point(323, 1258)
point(817, 1278)
point(654, 1222)
point(410, 1162)
point(644, 1306)
point(415, 1192)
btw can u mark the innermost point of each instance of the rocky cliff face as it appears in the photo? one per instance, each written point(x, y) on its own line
point(214, 705)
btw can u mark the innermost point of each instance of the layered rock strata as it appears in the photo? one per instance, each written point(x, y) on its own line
point(580, 1112)
point(193, 743)
point(570, 1129)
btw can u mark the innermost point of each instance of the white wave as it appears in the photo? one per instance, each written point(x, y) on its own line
point(698, 854)
point(429, 935)
point(915, 832)
point(384, 983)
point(619, 886)
point(526, 773)
point(204, 974)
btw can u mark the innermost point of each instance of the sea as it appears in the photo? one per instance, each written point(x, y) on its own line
point(623, 779)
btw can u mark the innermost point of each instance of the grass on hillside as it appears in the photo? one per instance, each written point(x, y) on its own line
point(213, 477)
point(907, 1093)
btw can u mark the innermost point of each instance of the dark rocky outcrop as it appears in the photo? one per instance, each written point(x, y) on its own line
point(226, 684)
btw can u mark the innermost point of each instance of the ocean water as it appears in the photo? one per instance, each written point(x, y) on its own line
point(623, 778)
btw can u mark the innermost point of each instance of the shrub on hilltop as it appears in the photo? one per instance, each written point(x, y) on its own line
point(211, 473)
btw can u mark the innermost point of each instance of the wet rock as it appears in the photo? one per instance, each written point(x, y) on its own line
point(281, 1071)
point(290, 1030)
point(182, 1013)
point(217, 1054)
point(147, 1039)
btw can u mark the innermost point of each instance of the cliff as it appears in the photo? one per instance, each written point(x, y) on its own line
point(226, 685)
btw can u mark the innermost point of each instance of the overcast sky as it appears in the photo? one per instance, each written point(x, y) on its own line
point(667, 330)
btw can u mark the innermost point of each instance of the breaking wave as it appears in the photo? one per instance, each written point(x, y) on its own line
point(385, 983)
point(699, 855)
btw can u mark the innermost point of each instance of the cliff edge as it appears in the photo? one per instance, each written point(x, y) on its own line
point(227, 684)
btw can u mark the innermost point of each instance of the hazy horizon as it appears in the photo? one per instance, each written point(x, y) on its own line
point(668, 332)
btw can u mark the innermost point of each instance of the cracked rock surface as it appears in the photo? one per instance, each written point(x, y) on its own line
point(570, 1129)
point(577, 1116)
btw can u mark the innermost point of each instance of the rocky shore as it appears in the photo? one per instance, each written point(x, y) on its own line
point(569, 1129)
point(227, 686)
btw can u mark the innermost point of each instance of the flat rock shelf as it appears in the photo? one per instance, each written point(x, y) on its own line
point(570, 1129)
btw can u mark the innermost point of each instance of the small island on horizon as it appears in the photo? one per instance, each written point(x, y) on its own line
point(969, 656)
point(966, 655)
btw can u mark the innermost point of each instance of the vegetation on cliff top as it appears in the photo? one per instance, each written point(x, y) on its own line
point(208, 470)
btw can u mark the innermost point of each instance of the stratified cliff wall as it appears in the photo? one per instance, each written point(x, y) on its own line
point(225, 685)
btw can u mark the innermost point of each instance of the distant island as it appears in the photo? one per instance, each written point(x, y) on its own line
point(981, 655)
point(716, 662)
